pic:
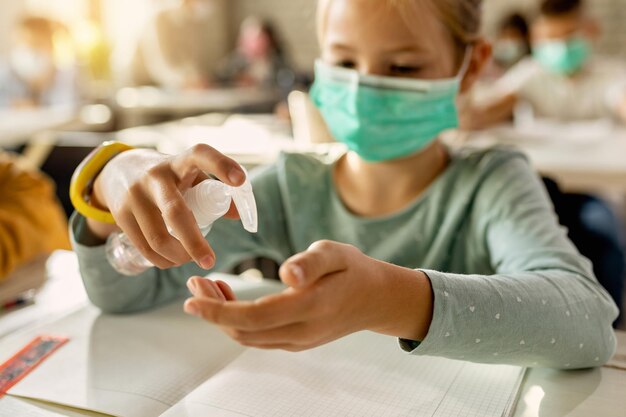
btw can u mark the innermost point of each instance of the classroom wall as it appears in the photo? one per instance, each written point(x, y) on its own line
point(612, 15)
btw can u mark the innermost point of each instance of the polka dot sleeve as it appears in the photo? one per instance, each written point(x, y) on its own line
point(541, 307)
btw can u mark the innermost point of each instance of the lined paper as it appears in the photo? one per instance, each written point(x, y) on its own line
point(361, 375)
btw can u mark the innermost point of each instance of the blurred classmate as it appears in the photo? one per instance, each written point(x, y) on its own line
point(512, 43)
point(32, 221)
point(259, 60)
point(182, 46)
point(33, 75)
point(562, 81)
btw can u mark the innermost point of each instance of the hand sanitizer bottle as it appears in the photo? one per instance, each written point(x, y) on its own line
point(208, 201)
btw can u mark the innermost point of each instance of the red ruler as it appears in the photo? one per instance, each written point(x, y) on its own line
point(27, 359)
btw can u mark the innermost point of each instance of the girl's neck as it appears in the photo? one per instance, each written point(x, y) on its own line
point(379, 189)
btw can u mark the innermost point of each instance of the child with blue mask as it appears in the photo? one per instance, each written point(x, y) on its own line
point(455, 254)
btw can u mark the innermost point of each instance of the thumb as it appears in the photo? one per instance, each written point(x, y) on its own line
point(321, 259)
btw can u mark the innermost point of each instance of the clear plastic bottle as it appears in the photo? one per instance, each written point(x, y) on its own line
point(208, 201)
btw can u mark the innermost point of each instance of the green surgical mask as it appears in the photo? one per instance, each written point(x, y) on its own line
point(564, 56)
point(384, 118)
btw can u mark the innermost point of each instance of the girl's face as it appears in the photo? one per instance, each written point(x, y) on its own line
point(375, 40)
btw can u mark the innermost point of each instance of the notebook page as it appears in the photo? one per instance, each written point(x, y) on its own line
point(131, 365)
point(361, 375)
point(127, 366)
point(20, 407)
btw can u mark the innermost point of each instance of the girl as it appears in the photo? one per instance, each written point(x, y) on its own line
point(457, 254)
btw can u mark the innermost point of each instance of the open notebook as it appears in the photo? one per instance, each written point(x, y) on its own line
point(165, 363)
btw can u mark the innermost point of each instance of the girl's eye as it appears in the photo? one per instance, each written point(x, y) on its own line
point(404, 69)
point(346, 64)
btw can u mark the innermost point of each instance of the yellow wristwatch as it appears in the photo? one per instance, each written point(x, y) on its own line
point(84, 176)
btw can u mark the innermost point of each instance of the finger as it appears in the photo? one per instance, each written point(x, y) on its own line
point(321, 259)
point(278, 346)
point(266, 313)
point(209, 160)
point(216, 289)
point(132, 230)
point(200, 178)
point(155, 231)
point(294, 334)
point(203, 287)
point(271, 345)
point(226, 290)
point(178, 216)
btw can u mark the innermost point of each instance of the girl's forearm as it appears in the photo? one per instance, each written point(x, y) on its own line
point(407, 305)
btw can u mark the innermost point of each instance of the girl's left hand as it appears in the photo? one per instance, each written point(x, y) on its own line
point(334, 290)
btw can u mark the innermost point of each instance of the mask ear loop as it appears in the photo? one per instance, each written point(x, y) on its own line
point(461, 136)
point(467, 60)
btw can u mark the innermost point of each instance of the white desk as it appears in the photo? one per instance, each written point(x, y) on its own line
point(597, 392)
point(62, 293)
point(581, 157)
point(139, 104)
point(250, 139)
point(545, 392)
point(17, 127)
point(154, 100)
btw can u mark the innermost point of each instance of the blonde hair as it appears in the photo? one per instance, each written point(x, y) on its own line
point(462, 18)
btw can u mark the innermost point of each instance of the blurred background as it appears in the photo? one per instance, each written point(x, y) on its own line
point(101, 47)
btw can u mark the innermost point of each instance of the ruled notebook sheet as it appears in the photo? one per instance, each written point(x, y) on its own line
point(129, 365)
point(361, 375)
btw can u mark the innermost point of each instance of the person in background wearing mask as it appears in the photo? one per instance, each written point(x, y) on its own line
point(182, 46)
point(259, 60)
point(512, 43)
point(32, 75)
point(562, 81)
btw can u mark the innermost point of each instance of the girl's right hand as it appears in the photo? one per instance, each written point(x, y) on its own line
point(143, 189)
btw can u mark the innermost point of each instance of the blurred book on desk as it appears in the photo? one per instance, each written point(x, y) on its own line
point(23, 282)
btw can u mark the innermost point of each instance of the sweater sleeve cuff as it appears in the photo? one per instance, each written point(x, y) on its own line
point(80, 233)
point(86, 245)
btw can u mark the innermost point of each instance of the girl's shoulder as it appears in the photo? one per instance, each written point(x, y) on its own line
point(301, 169)
point(473, 169)
point(481, 160)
